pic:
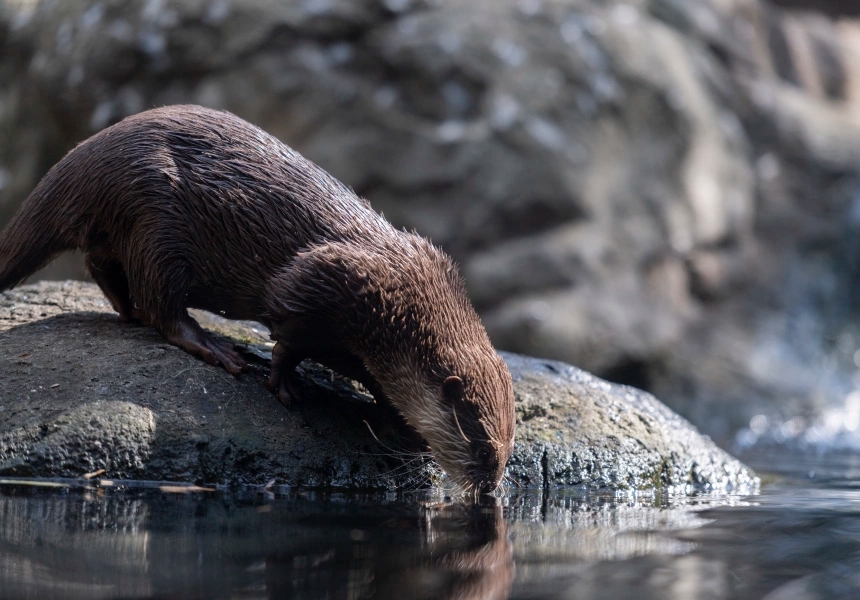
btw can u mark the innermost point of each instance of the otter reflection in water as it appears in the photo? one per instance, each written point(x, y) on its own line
point(138, 543)
point(464, 553)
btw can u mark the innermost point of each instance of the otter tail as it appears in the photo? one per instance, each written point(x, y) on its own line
point(34, 236)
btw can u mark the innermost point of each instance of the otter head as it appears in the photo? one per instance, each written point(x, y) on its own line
point(483, 416)
point(467, 418)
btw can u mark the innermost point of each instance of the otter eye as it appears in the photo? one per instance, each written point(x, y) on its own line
point(483, 454)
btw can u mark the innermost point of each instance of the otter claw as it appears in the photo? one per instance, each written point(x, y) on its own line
point(285, 397)
point(230, 360)
point(282, 385)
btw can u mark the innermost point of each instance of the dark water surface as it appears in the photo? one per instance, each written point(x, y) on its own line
point(798, 539)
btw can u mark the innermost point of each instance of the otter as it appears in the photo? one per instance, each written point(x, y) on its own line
point(186, 207)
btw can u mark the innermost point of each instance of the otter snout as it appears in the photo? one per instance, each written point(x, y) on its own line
point(487, 478)
point(486, 486)
point(477, 440)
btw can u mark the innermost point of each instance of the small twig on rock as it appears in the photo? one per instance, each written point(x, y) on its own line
point(94, 474)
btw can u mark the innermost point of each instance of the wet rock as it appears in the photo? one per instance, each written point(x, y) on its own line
point(82, 392)
point(576, 429)
point(114, 436)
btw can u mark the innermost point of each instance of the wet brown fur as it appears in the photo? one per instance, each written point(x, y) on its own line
point(184, 207)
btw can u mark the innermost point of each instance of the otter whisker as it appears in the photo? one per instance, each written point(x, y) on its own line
point(407, 467)
point(414, 479)
point(392, 451)
point(404, 479)
point(413, 462)
point(457, 488)
point(395, 454)
point(414, 483)
point(370, 429)
point(457, 421)
point(401, 477)
point(513, 481)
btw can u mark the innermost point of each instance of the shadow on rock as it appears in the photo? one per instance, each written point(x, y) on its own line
point(83, 392)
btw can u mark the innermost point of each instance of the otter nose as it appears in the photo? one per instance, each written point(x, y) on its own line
point(487, 486)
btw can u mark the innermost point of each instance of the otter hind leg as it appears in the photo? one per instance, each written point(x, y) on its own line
point(188, 335)
point(110, 277)
point(159, 285)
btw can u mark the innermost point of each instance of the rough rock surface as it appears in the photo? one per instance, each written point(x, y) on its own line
point(663, 192)
point(832, 7)
point(81, 392)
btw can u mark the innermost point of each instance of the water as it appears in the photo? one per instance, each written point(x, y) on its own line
point(798, 539)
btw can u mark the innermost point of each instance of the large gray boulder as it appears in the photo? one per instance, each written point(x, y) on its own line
point(80, 392)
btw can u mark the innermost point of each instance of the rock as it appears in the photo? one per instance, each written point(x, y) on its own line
point(115, 436)
point(82, 392)
point(653, 190)
point(832, 7)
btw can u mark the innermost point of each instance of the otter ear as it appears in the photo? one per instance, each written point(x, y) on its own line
point(453, 390)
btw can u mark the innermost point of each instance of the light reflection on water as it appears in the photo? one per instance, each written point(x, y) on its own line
point(799, 539)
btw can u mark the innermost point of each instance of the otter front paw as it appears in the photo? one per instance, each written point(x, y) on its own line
point(282, 378)
point(284, 386)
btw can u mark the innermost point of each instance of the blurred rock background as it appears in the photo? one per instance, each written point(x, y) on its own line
point(663, 192)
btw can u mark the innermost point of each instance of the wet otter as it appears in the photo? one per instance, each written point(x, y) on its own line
point(184, 207)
